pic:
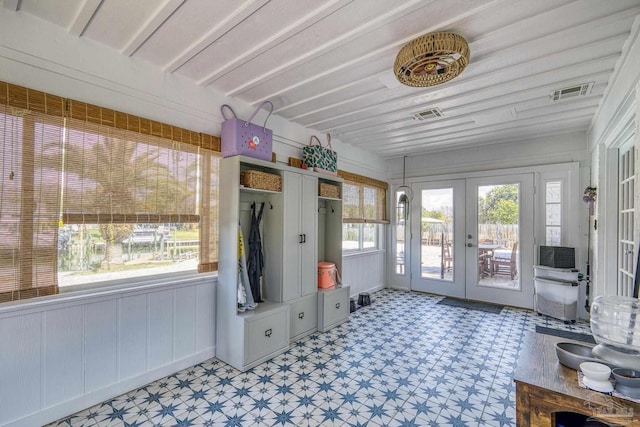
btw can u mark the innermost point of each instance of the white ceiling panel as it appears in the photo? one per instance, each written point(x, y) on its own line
point(192, 27)
point(110, 26)
point(59, 13)
point(329, 65)
point(268, 26)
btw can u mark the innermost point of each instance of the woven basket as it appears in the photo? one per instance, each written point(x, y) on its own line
point(261, 180)
point(296, 163)
point(329, 190)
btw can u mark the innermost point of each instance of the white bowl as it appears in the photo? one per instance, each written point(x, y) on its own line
point(595, 371)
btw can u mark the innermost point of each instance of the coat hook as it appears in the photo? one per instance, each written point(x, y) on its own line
point(332, 211)
point(270, 205)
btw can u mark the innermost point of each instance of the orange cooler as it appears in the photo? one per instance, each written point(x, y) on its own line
point(327, 275)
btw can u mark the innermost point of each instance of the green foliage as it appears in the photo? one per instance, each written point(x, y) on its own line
point(499, 206)
point(433, 214)
point(504, 212)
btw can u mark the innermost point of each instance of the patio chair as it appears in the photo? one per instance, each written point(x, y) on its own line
point(483, 265)
point(447, 258)
point(505, 266)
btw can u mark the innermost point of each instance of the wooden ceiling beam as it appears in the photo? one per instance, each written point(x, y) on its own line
point(150, 27)
point(84, 16)
point(245, 10)
point(12, 5)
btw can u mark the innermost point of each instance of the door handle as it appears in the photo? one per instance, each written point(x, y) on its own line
point(268, 333)
point(304, 238)
point(470, 245)
point(338, 305)
point(301, 315)
point(300, 235)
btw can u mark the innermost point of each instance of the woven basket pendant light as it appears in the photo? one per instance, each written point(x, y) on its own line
point(431, 59)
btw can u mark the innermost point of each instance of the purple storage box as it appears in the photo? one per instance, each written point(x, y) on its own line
point(241, 137)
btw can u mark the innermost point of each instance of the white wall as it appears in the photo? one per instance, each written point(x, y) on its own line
point(63, 353)
point(364, 272)
point(571, 147)
point(76, 346)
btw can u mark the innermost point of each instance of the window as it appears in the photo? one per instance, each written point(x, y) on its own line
point(359, 237)
point(363, 210)
point(91, 194)
point(553, 213)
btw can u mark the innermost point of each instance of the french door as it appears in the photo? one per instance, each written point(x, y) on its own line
point(626, 211)
point(473, 238)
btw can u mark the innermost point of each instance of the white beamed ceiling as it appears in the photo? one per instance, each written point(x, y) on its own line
point(328, 65)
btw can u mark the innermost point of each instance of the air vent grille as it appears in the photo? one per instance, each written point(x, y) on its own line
point(571, 92)
point(432, 113)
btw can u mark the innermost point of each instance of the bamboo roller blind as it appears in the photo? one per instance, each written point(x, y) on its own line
point(364, 199)
point(107, 154)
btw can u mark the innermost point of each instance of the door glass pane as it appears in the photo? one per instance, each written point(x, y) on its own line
point(436, 234)
point(400, 234)
point(498, 231)
point(626, 245)
point(553, 213)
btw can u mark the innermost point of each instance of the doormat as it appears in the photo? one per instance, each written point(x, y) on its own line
point(472, 305)
point(577, 336)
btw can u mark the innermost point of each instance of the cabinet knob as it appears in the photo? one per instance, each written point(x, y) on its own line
point(301, 315)
point(268, 332)
point(338, 305)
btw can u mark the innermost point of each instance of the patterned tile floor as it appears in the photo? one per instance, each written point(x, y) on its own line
point(403, 361)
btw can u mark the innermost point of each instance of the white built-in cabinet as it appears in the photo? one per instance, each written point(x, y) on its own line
point(298, 230)
point(300, 246)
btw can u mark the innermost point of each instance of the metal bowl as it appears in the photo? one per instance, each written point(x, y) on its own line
point(626, 377)
point(627, 382)
point(572, 354)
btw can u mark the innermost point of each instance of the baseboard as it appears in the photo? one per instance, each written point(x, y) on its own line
point(398, 288)
point(69, 407)
point(369, 290)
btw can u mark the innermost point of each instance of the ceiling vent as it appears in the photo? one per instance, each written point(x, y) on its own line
point(571, 92)
point(432, 113)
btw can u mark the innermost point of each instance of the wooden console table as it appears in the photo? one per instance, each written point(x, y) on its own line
point(544, 388)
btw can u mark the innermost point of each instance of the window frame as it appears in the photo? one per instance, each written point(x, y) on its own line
point(67, 110)
point(361, 248)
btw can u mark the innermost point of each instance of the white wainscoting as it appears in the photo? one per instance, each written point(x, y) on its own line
point(61, 354)
point(363, 271)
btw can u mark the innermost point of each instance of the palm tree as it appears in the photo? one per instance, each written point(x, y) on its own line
point(116, 176)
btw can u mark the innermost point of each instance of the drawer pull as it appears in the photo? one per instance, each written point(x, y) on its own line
point(268, 332)
point(338, 305)
point(301, 315)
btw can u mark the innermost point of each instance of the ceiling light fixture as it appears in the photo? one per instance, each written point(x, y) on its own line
point(432, 59)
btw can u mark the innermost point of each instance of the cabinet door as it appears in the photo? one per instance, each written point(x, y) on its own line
point(300, 270)
point(266, 335)
point(309, 229)
point(333, 307)
point(292, 236)
point(304, 316)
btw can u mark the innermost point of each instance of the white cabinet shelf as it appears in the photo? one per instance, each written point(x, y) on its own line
point(257, 190)
point(298, 230)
